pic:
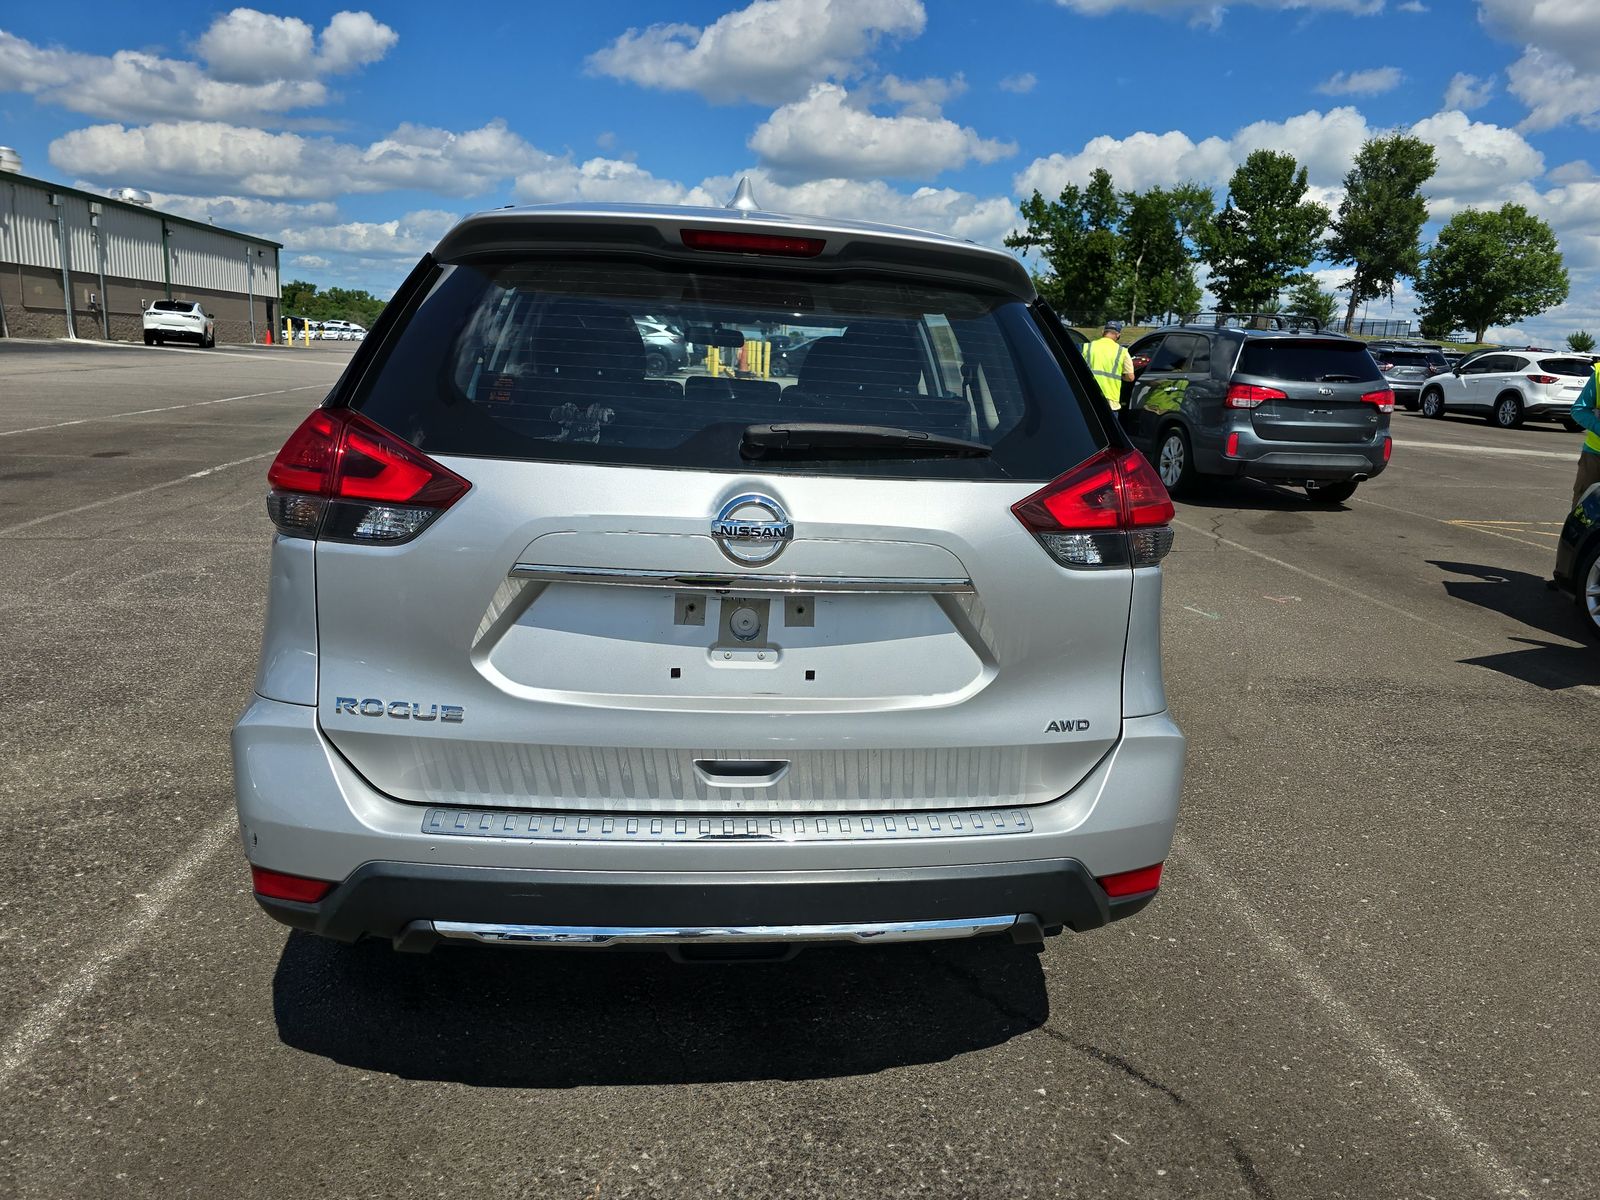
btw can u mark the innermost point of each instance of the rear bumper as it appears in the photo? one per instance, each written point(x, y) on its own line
point(417, 905)
point(1294, 462)
point(304, 811)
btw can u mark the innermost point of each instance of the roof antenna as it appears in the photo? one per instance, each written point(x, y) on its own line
point(744, 199)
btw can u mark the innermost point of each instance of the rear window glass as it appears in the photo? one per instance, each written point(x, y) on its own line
point(543, 359)
point(1306, 361)
point(1410, 358)
point(183, 306)
point(1580, 368)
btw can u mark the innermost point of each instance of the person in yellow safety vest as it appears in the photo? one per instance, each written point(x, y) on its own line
point(1586, 413)
point(1109, 363)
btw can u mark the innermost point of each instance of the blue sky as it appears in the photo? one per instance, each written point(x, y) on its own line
point(357, 136)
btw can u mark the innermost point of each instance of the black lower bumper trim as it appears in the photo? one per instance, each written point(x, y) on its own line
point(381, 899)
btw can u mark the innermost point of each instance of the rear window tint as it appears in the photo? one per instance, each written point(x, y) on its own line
point(542, 359)
point(1580, 368)
point(1306, 361)
point(182, 306)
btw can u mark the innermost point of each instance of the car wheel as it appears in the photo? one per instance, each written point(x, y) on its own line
point(209, 343)
point(1507, 412)
point(1588, 579)
point(1413, 404)
point(1331, 493)
point(160, 341)
point(1175, 460)
point(655, 363)
point(1433, 403)
point(149, 339)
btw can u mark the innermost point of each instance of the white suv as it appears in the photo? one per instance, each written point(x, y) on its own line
point(1510, 388)
point(179, 321)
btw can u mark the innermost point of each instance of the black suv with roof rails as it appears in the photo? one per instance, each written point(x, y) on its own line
point(1259, 396)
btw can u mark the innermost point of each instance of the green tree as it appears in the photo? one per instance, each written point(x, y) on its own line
point(1491, 268)
point(1077, 235)
point(1156, 262)
point(1582, 341)
point(302, 299)
point(1266, 234)
point(1378, 229)
point(1309, 300)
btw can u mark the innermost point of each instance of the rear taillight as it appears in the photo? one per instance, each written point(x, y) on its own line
point(275, 885)
point(1544, 379)
point(1109, 511)
point(1383, 401)
point(1246, 395)
point(1131, 883)
point(344, 478)
point(734, 242)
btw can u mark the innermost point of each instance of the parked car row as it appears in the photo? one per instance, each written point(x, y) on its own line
point(326, 331)
point(1508, 389)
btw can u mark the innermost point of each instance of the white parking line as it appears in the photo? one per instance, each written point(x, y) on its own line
point(141, 412)
point(1469, 448)
point(1490, 1167)
point(41, 1022)
point(144, 491)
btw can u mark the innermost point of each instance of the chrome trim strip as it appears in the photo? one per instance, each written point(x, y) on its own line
point(611, 935)
point(663, 827)
point(729, 582)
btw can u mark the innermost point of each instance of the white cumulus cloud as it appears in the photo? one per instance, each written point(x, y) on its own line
point(826, 136)
point(1467, 92)
point(255, 65)
point(197, 156)
point(1372, 82)
point(1020, 84)
point(769, 52)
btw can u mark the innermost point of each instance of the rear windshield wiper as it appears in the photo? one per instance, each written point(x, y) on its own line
point(828, 440)
point(1339, 379)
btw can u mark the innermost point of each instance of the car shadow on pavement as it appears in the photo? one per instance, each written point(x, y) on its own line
point(1246, 495)
point(559, 1019)
point(1527, 599)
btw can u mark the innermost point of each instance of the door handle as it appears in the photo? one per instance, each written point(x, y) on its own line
point(741, 772)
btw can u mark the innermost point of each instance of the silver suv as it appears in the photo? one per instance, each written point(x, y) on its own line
point(560, 653)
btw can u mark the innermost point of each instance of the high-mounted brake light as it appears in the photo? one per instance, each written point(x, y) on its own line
point(1384, 400)
point(1108, 511)
point(344, 478)
point(1131, 883)
point(734, 242)
point(1246, 395)
point(275, 885)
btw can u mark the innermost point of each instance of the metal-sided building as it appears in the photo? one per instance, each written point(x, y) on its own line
point(76, 264)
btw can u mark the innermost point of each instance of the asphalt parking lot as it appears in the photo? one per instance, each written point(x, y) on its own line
point(1371, 971)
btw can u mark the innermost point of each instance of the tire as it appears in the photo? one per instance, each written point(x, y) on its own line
point(149, 339)
point(1432, 403)
point(1507, 411)
point(656, 363)
point(1175, 460)
point(1331, 493)
point(208, 343)
point(1413, 405)
point(1587, 578)
point(160, 341)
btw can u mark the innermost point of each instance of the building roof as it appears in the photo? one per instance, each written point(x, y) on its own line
point(113, 201)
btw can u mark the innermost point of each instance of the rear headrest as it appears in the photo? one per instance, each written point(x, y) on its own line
point(585, 339)
point(874, 358)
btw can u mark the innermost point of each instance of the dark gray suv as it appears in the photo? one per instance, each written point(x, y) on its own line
point(1309, 409)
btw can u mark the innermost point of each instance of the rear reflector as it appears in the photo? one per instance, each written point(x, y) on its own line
point(1108, 511)
point(1132, 883)
point(1388, 448)
point(1246, 395)
point(1384, 400)
point(732, 242)
point(1232, 447)
point(344, 478)
point(275, 885)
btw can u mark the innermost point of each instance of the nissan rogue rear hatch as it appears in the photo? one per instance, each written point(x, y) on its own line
point(726, 589)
